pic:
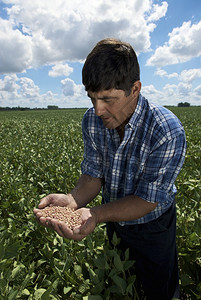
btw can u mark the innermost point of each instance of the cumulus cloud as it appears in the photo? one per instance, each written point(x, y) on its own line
point(172, 94)
point(15, 50)
point(48, 32)
point(183, 45)
point(163, 73)
point(186, 75)
point(9, 84)
point(28, 88)
point(24, 92)
point(158, 11)
point(70, 88)
point(190, 75)
point(60, 70)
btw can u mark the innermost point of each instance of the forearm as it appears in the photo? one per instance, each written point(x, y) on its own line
point(125, 209)
point(86, 189)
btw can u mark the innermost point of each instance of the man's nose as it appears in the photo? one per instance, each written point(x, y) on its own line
point(99, 106)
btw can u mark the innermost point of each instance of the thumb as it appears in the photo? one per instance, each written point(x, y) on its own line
point(85, 228)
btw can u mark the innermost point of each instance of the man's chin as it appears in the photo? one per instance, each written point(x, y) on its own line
point(108, 123)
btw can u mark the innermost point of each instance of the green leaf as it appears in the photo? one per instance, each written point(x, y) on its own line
point(1, 251)
point(93, 276)
point(101, 263)
point(115, 240)
point(3, 283)
point(98, 288)
point(12, 295)
point(67, 289)
point(121, 283)
point(11, 251)
point(25, 292)
point(84, 286)
point(127, 254)
point(186, 280)
point(118, 263)
point(38, 293)
point(17, 270)
point(78, 270)
point(128, 264)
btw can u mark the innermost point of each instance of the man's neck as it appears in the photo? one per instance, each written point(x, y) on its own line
point(121, 128)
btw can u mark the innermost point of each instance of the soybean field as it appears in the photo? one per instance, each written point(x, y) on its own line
point(40, 153)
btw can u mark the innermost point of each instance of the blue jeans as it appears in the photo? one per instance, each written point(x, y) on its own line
point(153, 247)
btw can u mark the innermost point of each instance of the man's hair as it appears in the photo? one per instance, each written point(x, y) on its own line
point(111, 64)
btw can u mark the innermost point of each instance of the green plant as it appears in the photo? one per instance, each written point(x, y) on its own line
point(41, 152)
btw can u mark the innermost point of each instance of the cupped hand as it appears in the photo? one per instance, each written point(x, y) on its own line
point(53, 200)
point(78, 233)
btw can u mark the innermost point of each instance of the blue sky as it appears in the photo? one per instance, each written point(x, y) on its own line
point(43, 45)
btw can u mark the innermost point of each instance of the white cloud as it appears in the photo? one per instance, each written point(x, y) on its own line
point(60, 70)
point(187, 76)
point(172, 94)
point(9, 84)
point(183, 45)
point(163, 73)
point(190, 75)
point(48, 31)
point(9, 90)
point(184, 89)
point(70, 88)
point(24, 92)
point(158, 11)
point(15, 50)
point(28, 88)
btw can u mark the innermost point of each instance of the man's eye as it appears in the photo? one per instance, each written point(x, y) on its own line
point(108, 100)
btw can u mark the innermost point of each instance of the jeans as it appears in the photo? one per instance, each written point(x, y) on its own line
point(153, 247)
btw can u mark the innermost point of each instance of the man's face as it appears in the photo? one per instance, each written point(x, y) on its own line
point(113, 106)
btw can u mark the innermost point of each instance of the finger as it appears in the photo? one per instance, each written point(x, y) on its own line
point(36, 211)
point(68, 233)
point(44, 222)
point(38, 215)
point(44, 202)
point(86, 228)
point(55, 225)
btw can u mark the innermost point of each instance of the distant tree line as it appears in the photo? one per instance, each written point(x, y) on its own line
point(183, 104)
point(14, 108)
point(28, 108)
point(52, 107)
point(49, 107)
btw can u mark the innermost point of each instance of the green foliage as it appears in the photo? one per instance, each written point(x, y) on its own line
point(41, 152)
point(188, 205)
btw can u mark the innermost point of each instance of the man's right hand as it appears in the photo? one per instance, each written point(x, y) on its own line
point(53, 200)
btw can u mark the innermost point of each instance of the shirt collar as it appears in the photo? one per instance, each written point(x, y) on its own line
point(137, 113)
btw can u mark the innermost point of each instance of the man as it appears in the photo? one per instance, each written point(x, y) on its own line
point(133, 151)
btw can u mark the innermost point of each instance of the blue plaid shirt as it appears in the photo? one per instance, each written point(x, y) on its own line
point(145, 163)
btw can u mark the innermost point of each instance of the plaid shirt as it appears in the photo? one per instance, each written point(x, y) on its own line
point(145, 163)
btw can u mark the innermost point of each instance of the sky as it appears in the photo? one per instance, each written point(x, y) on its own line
point(44, 43)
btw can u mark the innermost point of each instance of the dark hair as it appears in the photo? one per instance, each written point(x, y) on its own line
point(111, 64)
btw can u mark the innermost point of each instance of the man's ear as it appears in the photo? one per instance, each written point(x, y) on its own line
point(136, 88)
